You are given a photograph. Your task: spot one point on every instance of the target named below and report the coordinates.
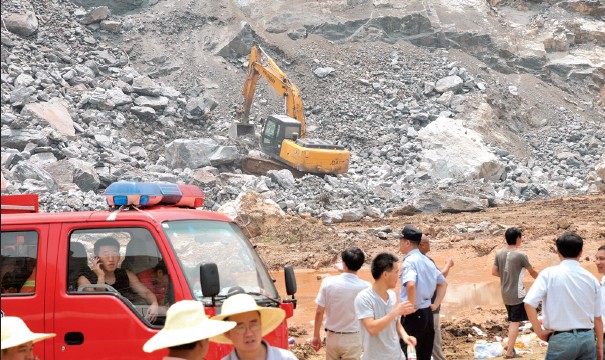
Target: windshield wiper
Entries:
(239, 290)
(275, 301)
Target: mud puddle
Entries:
(459, 297)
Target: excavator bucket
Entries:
(239, 129)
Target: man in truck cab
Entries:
(186, 332)
(106, 272)
(253, 322)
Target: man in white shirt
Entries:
(571, 305)
(335, 298)
(600, 262)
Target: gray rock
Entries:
(111, 26)
(298, 34)
(282, 177)
(143, 85)
(449, 83)
(240, 45)
(193, 154)
(27, 171)
(44, 158)
(19, 138)
(322, 72)
(198, 107)
(205, 177)
(154, 102)
(224, 155)
(54, 113)
(338, 216)
(95, 15)
(21, 24)
(22, 96)
(138, 152)
(103, 140)
(461, 204)
(143, 112)
(23, 80)
(86, 177)
(445, 99)
(117, 97)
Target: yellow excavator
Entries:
(283, 136)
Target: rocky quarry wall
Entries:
(440, 112)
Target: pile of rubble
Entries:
(427, 131)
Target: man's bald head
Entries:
(424, 245)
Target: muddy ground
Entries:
(471, 239)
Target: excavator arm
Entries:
(261, 64)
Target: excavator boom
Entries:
(261, 64)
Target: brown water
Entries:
(459, 296)
(470, 285)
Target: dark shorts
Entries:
(516, 313)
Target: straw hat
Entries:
(270, 318)
(186, 322)
(15, 333)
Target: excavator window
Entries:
(269, 133)
(290, 131)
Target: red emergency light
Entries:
(149, 194)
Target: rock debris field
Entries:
(438, 117)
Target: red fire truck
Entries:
(176, 251)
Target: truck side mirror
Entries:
(290, 284)
(209, 280)
(290, 280)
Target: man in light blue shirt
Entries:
(420, 278)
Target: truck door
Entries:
(110, 320)
(23, 276)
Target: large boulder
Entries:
(451, 150)
(55, 113)
(193, 154)
(600, 169)
(68, 172)
(21, 24)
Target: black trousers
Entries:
(420, 324)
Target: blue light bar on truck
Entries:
(150, 194)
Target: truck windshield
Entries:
(196, 242)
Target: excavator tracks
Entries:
(258, 166)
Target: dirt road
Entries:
(471, 239)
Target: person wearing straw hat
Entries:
(186, 332)
(253, 322)
(18, 340)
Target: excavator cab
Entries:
(276, 129)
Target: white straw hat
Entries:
(270, 318)
(15, 332)
(186, 322)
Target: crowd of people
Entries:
(366, 320)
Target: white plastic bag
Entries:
(487, 350)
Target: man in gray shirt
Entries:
(379, 310)
(510, 265)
